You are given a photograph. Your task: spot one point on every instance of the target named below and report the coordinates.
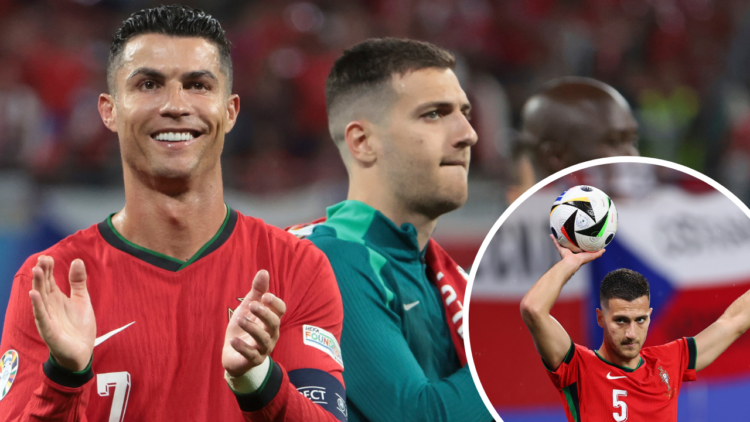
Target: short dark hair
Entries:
(175, 20)
(623, 284)
(370, 64)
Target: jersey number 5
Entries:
(120, 382)
(623, 416)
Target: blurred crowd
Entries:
(681, 64)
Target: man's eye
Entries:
(148, 85)
(199, 86)
(432, 115)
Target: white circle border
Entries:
(539, 185)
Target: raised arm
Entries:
(715, 339)
(63, 347)
(550, 338)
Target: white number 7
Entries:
(617, 403)
(120, 381)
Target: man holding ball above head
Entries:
(143, 316)
(622, 380)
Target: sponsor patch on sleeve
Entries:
(8, 371)
(323, 341)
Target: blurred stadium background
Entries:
(682, 64)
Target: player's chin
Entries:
(630, 350)
(174, 170)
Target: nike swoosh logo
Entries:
(102, 339)
(408, 306)
(610, 377)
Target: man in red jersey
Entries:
(157, 294)
(622, 380)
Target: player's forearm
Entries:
(539, 300)
(738, 315)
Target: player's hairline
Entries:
(604, 303)
(115, 62)
(383, 89)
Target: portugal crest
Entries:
(665, 379)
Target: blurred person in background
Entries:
(154, 299)
(400, 119)
(571, 120)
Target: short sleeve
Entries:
(679, 355)
(690, 353)
(567, 373)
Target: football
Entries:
(583, 219)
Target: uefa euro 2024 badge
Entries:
(9, 369)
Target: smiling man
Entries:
(401, 121)
(622, 380)
(132, 319)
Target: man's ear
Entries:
(600, 317)
(107, 111)
(233, 108)
(359, 142)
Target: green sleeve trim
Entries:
(268, 376)
(54, 363)
(262, 385)
(692, 352)
(568, 357)
(571, 352)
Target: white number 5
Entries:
(120, 381)
(617, 403)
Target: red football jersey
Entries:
(161, 325)
(593, 389)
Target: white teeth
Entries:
(174, 136)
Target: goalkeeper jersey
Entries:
(594, 390)
(160, 327)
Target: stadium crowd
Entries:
(681, 64)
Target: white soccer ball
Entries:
(583, 218)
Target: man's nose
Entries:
(176, 104)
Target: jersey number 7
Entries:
(120, 382)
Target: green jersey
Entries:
(400, 362)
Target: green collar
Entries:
(116, 240)
(357, 221)
(624, 368)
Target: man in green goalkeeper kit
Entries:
(401, 121)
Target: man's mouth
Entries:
(175, 136)
(457, 162)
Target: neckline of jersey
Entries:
(624, 368)
(355, 218)
(166, 262)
